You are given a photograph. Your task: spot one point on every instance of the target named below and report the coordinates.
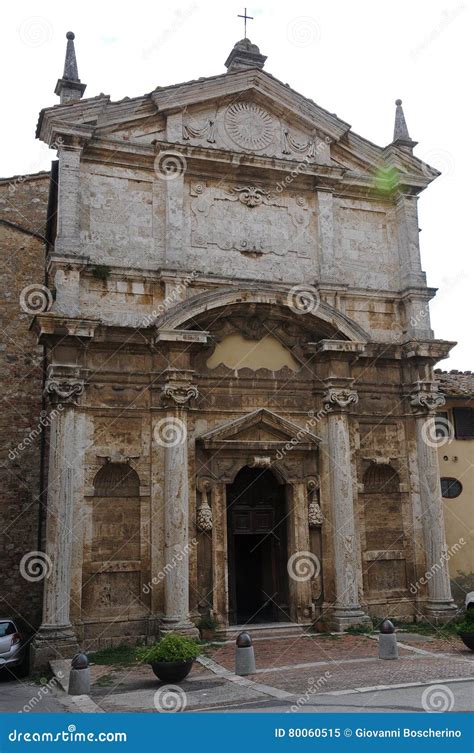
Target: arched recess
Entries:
(185, 313)
(111, 583)
(385, 565)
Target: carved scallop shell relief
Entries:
(249, 126)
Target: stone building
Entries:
(455, 422)
(239, 365)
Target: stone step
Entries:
(266, 630)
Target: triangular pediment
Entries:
(261, 429)
(249, 111)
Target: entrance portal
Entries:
(257, 547)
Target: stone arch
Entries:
(381, 478)
(116, 480)
(183, 314)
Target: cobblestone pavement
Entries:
(302, 672)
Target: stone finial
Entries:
(401, 137)
(69, 87)
(244, 55)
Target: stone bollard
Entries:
(388, 648)
(79, 676)
(244, 655)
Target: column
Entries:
(220, 585)
(56, 637)
(302, 566)
(425, 400)
(68, 236)
(171, 431)
(347, 611)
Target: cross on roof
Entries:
(246, 18)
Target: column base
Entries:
(440, 612)
(52, 642)
(183, 627)
(342, 619)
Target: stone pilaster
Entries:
(327, 258)
(56, 637)
(337, 401)
(68, 237)
(171, 431)
(425, 400)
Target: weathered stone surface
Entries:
(234, 210)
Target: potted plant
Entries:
(207, 628)
(171, 658)
(465, 629)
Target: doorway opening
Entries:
(257, 548)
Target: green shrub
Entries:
(207, 623)
(467, 625)
(171, 648)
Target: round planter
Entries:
(172, 671)
(467, 639)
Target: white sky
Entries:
(353, 58)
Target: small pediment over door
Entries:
(261, 430)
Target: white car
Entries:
(469, 600)
(12, 645)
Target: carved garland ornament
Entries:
(315, 515)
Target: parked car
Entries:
(13, 646)
(469, 600)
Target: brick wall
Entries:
(23, 209)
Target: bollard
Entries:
(388, 648)
(79, 676)
(244, 655)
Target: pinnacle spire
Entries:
(69, 87)
(401, 137)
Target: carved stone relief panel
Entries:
(251, 219)
(250, 126)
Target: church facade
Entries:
(239, 366)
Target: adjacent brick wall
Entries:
(23, 208)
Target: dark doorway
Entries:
(257, 540)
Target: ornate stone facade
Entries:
(232, 214)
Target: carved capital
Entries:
(425, 398)
(64, 386)
(337, 398)
(178, 388)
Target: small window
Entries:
(450, 488)
(7, 628)
(464, 423)
(442, 424)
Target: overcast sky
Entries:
(353, 58)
